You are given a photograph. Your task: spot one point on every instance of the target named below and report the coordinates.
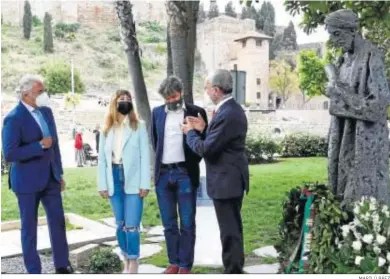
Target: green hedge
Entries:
(260, 149)
(304, 145)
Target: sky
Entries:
(282, 19)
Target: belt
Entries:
(174, 165)
(117, 165)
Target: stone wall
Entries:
(83, 11)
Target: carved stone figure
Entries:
(358, 154)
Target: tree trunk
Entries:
(192, 8)
(129, 38)
(182, 33)
(169, 52)
(128, 35)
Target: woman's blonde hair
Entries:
(112, 115)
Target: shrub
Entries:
(161, 48)
(64, 30)
(36, 21)
(304, 145)
(260, 149)
(58, 78)
(153, 26)
(104, 261)
(153, 38)
(149, 65)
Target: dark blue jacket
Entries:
(31, 165)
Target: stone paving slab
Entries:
(156, 239)
(150, 269)
(146, 251)
(208, 249)
(267, 251)
(92, 232)
(158, 230)
(262, 269)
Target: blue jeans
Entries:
(128, 213)
(182, 197)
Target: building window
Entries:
(243, 43)
(326, 105)
(258, 95)
(258, 81)
(258, 42)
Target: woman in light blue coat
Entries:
(124, 173)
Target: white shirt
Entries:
(173, 151)
(221, 103)
(118, 137)
(31, 109)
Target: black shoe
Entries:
(65, 270)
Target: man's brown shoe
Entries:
(172, 269)
(184, 271)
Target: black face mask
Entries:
(124, 107)
(176, 105)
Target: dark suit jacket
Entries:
(157, 134)
(31, 166)
(223, 150)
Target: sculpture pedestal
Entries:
(208, 249)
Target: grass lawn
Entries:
(261, 208)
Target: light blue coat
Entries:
(135, 159)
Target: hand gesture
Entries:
(143, 193)
(198, 122)
(104, 194)
(46, 142)
(63, 185)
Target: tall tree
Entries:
(275, 46)
(182, 16)
(283, 80)
(27, 20)
(229, 10)
(245, 12)
(213, 10)
(169, 53)
(201, 13)
(269, 26)
(374, 18)
(131, 46)
(290, 38)
(48, 45)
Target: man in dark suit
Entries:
(176, 174)
(30, 144)
(227, 172)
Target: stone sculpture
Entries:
(358, 154)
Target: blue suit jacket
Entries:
(223, 150)
(157, 134)
(31, 165)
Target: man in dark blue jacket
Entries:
(30, 144)
(176, 174)
(227, 172)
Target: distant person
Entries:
(124, 173)
(176, 174)
(223, 150)
(97, 136)
(79, 148)
(30, 144)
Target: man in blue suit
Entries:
(176, 174)
(30, 144)
(227, 173)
